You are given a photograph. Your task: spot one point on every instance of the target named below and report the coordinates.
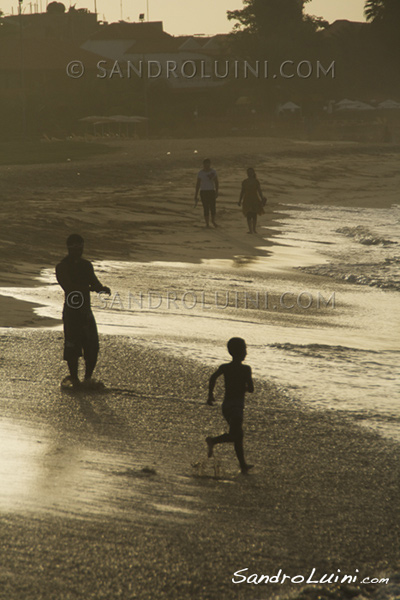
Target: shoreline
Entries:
(110, 495)
(140, 209)
(19, 313)
(323, 494)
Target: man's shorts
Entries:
(80, 334)
(209, 201)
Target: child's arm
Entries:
(249, 382)
(211, 385)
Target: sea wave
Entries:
(384, 275)
(364, 236)
(321, 350)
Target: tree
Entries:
(276, 30)
(274, 18)
(382, 11)
(384, 16)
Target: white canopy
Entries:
(114, 119)
(353, 105)
(289, 106)
(344, 102)
(389, 105)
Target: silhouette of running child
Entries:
(238, 381)
(77, 278)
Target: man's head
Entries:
(75, 245)
(237, 348)
(206, 164)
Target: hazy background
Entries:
(192, 16)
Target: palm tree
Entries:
(382, 11)
(274, 17)
(374, 10)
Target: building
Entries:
(73, 25)
(144, 50)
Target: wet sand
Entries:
(137, 202)
(15, 313)
(103, 500)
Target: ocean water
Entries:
(320, 313)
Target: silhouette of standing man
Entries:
(207, 183)
(76, 277)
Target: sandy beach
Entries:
(136, 203)
(110, 495)
(109, 503)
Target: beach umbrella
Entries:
(363, 106)
(344, 102)
(124, 119)
(353, 105)
(291, 106)
(389, 105)
(119, 119)
(94, 119)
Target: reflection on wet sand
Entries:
(42, 471)
(49, 472)
(243, 261)
(188, 309)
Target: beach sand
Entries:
(137, 202)
(110, 495)
(103, 500)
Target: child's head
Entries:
(237, 348)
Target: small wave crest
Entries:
(322, 350)
(384, 275)
(364, 236)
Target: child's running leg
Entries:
(236, 435)
(219, 439)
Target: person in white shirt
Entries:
(207, 183)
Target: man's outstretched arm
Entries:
(95, 285)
